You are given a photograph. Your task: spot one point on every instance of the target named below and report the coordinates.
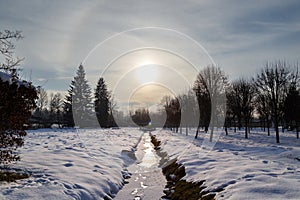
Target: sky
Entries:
(114, 38)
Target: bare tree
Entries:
(42, 101)
(7, 48)
(56, 107)
(112, 111)
(264, 110)
(233, 106)
(189, 111)
(272, 82)
(245, 92)
(40, 116)
(211, 84)
(292, 103)
(230, 113)
(173, 111)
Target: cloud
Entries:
(240, 36)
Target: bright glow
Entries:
(147, 73)
(146, 62)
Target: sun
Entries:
(146, 73)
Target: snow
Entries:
(91, 163)
(6, 77)
(254, 168)
(70, 164)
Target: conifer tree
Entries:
(17, 100)
(67, 107)
(79, 101)
(102, 103)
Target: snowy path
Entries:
(147, 181)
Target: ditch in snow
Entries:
(147, 181)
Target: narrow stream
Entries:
(147, 181)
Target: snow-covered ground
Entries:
(70, 164)
(254, 168)
(89, 164)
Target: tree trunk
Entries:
(268, 126)
(276, 129)
(197, 131)
(206, 129)
(186, 130)
(246, 129)
(297, 131)
(211, 134)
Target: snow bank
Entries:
(6, 77)
(238, 168)
(70, 164)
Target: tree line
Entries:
(270, 98)
(78, 108)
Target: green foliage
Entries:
(67, 108)
(17, 100)
(78, 105)
(102, 103)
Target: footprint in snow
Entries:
(68, 165)
(135, 191)
(143, 186)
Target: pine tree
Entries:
(78, 105)
(67, 108)
(102, 103)
(17, 100)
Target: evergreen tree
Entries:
(78, 106)
(17, 100)
(141, 117)
(67, 107)
(102, 103)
